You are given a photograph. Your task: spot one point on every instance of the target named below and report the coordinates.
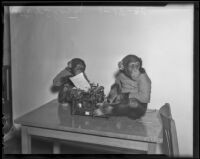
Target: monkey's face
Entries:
(133, 70)
(77, 69)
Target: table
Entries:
(53, 120)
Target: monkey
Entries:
(130, 94)
(62, 79)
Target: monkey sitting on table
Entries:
(130, 93)
(74, 67)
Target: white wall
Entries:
(6, 37)
(44, 39)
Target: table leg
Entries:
(56, 148)
(26, 141)
(151, 148)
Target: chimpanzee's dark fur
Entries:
(67, 85)
(120, 101)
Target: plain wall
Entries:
(43, 39)
(6, 37)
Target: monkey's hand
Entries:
(98, 112)
(133, 103)
(108, 109)
(105, 111)
(104, 103)
(103, 108)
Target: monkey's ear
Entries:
(121, 65)
(69, 64)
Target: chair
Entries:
(170, 141)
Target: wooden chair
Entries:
(170, 141)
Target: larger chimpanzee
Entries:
(74, 67)
(130, 93)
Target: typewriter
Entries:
(85, 102)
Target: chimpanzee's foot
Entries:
(133, 103)
(98, 112)
(103, 110)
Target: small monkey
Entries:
(130, 94)
(74, 67)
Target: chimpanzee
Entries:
(130, 93)
(74, 67)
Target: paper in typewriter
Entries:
(80, 82)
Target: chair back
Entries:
(170, 141)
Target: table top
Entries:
(57, 117)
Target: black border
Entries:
(127, 3)
(196, 82)
(86, 3)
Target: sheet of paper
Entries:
(80, 82)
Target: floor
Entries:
(45, 146)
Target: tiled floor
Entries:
(45, 146)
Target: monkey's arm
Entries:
(57, 81)
(144, 90)
(64, 94)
